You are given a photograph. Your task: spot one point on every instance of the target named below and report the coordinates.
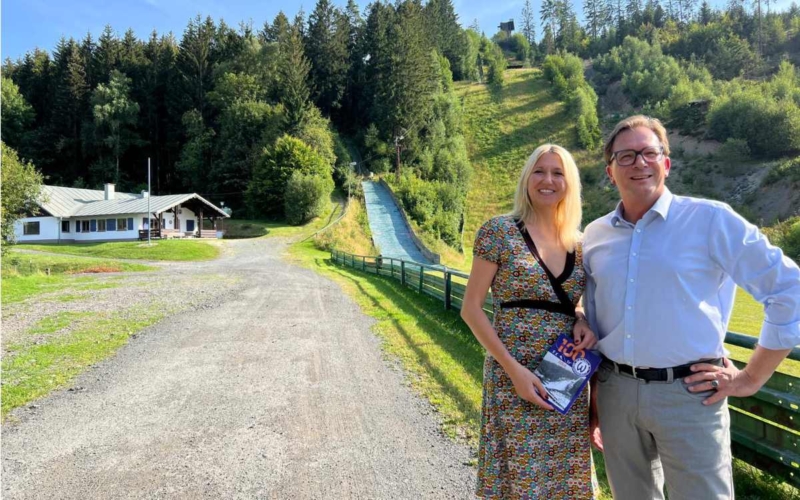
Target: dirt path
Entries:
(278, 392)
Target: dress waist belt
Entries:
(545, 305)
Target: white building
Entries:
(70, 215)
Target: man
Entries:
(661, 273)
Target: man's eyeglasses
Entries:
(627, 157)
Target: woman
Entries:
(531, 258)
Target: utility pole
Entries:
(397, 140)
(149, 220)
(350, 180)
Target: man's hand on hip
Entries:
(727, 380)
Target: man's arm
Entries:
(742, 251)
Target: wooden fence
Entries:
(763, 430)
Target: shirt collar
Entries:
(661, 207)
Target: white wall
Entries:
(184, 215)
(48, 229)
(128, 234)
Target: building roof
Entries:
(72, 202)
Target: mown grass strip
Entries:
(24, 274)
(33, 371)
(166, 250)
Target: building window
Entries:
(30, 228)
(111, 224)
(122, 225)
(84, 226)
(101, 225)
(64, 226)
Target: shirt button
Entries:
(629, 308)
(638, 230)
(631, 280)
(634, 254)
(628, 336)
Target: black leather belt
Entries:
(659, 374)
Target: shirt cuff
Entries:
(779, 336)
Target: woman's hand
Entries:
(583, 335)
(529, 387)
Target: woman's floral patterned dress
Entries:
(527, 452)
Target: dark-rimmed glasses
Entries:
(627, 157)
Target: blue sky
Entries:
(27, 24)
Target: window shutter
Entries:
(93, 225)
(111, 224)
(130, 223)
(77, 226)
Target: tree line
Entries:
(222, 111)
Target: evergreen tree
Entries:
(595, 17)
(528, 23)
(71, 95)
(356, 106)
(115, 114)
(549, 15)
(327, 52)
(412, 79)
(445, 33)
(106, 56)
(293, 85)
(706, 14)
(195, 62)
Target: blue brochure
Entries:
(564, 372)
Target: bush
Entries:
(21, 189)
(435, 206)
(565, 72)
(734, 150)
(266, 191)
(788, 171)
(770, 127)
(786, 235)
(305, 197)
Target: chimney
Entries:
(109, 191)
(145, 194)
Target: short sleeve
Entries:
(489, 241)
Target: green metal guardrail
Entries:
(764, 431)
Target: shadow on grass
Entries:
(445, 328)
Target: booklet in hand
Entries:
(564, 372)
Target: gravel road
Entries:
(275, 388)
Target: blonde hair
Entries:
(633, 122)
(568, 210)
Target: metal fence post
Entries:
(391, 266)
(403, 272)
(421, 277)
(447, 289)
(363, 263)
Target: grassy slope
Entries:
(502, 129)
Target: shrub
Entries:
(786, 235)
(305, 197)
(734, 150)
(788, 171)
(770, 127)
(265, 193)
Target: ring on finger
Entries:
(715, 384)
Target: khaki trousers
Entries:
(657, 432)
